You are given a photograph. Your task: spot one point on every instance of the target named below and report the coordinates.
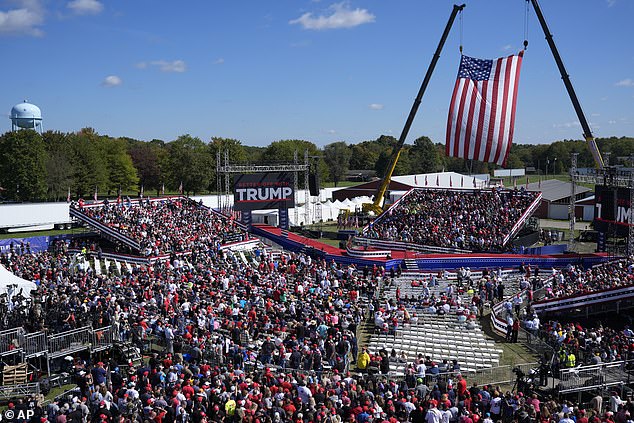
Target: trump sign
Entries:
(259, 191)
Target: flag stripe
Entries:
(492, 114)
(516, 80)
(482, 110)
(479, 154)
(468, 148)
(503, 95)
(451, 122)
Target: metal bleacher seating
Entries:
(441, 337)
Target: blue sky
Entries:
(261, 71)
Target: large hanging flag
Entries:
(482, 109)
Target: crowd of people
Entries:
(575, 280)
(270, 339)
(474, 221)
(167, 225)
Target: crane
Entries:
(377, 204)
(587, 133)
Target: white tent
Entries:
(9, 281)
(329, 211)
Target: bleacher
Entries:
(440, 336)
(437, 232)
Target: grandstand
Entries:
(235, 313)
(455, 221)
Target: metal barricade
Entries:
(8, 336)
(70, 341)
(10, 392)
(103, 338)
(492, 376)
(598, 376)
(35, 344)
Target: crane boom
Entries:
(587, 133)
(377, 204)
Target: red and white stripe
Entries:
(482, 113)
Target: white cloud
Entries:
(627, 82)
(566, 124)
(164, 65)
(339, 16)
(610, 2)
(219, 61)
(111, 81)
(611, 122)
(85, 7)
(375, 106)
(173, 66)
(507, 47)
(331, 131)
(26, 19)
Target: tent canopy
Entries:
(9, 280)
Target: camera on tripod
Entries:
(518, 372)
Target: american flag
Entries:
(284, 233)
(482, 109)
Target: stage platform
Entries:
(298, 243)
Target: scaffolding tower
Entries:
(225, 169)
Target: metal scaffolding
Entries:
(607, 176)
(226, 169)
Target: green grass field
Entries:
(44, 233)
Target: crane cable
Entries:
(526, 24)
(461, 32)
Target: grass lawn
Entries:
(44, 233)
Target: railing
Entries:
(103, 338)
(500, 375)
(78, 214)
(585, 299)
(35, 344)
(598, 376)
(520, 222)
(9, 392)
(8, 336)
(71, 341)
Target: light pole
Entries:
(547, 164)
(554, 163)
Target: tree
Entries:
(91, 170)
(424, 156)
(237, 153)
(122, 174)
(190, 163)
(387, 144)
(60, 168)
(23, 165)
(149, 159)
(284, 150)
(337, 157)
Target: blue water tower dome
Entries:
(26, 116)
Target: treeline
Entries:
(37, 167)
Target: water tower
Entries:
(26, 116)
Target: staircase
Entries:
(104, 230)
(410, 264)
